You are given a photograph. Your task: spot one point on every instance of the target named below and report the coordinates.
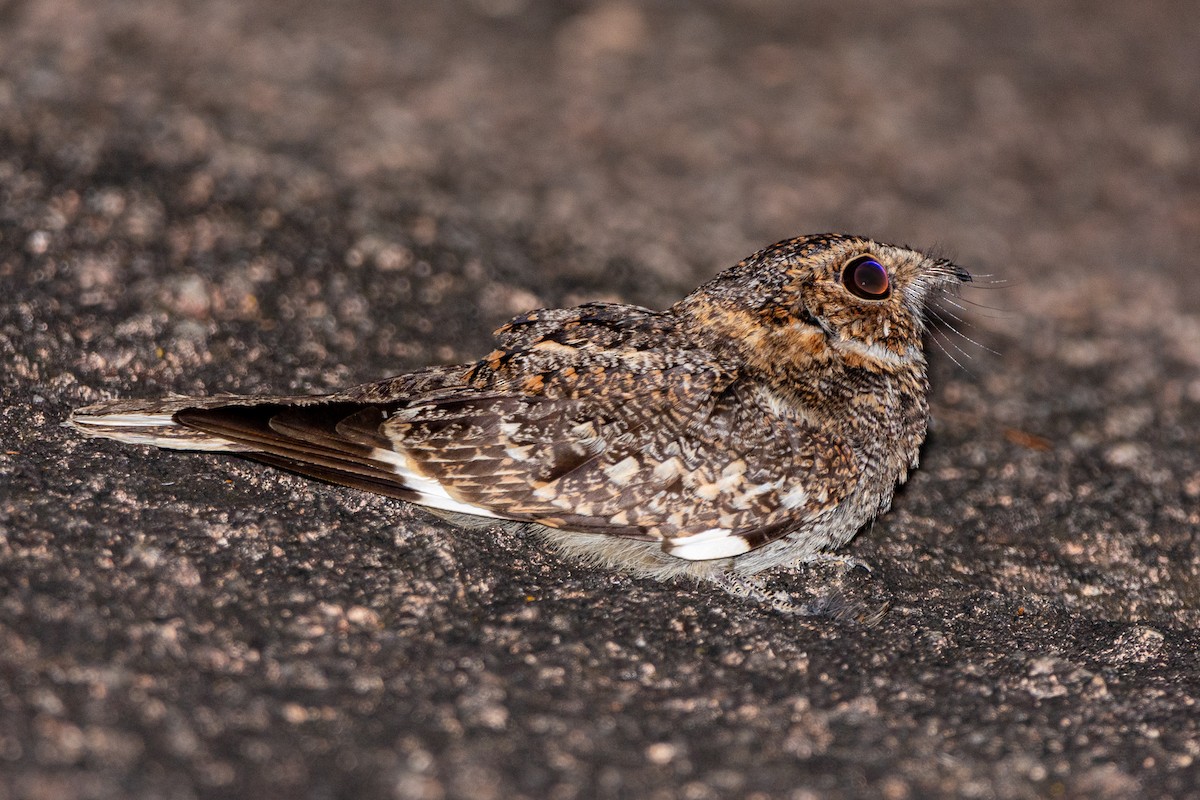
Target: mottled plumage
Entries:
(761, 420)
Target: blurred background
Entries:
(279, 195)
(634, 145)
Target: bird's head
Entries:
(825, 297)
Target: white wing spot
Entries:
(668, 469)
(706, 545)
(519, 453)
(620, 472)
(743, 500)
(794, 497)
(729, 482)
(734, 468)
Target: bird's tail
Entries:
(335, 438)
(154, 422)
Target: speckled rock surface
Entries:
(287, 196)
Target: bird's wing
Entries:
(681, 454)
(602, 420)
(596, 419)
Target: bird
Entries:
(761, 421)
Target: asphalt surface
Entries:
(289, 196)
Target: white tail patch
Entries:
(706, 545)
(126, 420)
(429, 491)
(156, 430)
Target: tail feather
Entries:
(326, 437)
(154, 422)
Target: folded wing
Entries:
(570, 423)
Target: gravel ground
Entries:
(287, 196)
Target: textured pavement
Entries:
(289, 196)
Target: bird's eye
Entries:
(866, 278)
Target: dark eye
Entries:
(866, 278)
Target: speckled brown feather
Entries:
(763, 418)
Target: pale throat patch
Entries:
(877, 352)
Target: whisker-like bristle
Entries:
(988, 279)
(954, 324)
(947, 326)
(953, 295)
(948, 354)
(949, 313)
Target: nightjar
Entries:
(759, 421)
